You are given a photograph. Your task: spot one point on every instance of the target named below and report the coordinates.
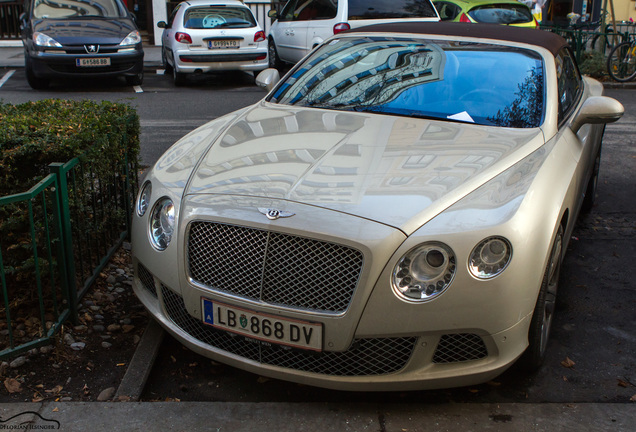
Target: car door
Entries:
(167, 37)
(289, 36)
(586, 142)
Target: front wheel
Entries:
(541, 322)
(135, 80)
(621, 63)
(35, 82)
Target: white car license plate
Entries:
(223, 43)
(282, 331)
(100, 61)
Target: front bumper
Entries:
(63, 65)
(383, 363)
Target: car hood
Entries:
(398, 171)
(83, 31)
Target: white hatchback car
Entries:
(212, 35)
(304, 24)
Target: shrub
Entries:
(593, 64)
(35, 134)
(104, 136)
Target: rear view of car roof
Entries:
(548, 40)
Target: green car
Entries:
(508, 12)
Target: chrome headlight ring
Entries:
(161, 223)
(143, 200)
(490, 257)
(424, 272)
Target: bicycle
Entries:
(621, 63)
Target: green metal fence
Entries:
(60, 235)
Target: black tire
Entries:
(539, 331)
(592, 184)
(179, 78)
(35, 82)
(135, 80)
(621, 63)
(164, 60)
(274, 61)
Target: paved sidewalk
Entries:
(283, 417)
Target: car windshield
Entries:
(456, 81)
(77, 9)
(501, 14)
(380, 9)
(208, 17)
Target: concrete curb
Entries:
(132, 385)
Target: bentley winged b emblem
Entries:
(273, 214)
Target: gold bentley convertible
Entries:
(391, 216)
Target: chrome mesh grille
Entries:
(147, 280)
(453, 348)
(273, 267)
(365, 357)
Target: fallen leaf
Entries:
(622, 383)
(568, 363)
(55, 390)
(633, 398)
(12, 385)
(56, 409)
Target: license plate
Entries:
(101, 61)
(269, 328)
(223, 43)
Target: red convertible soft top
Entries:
(550, 41)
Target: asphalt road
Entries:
(597, 299)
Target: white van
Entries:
(303, 24)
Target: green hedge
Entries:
(105, 137)
(35, 134)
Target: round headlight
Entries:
(144, 199)
(424, 272)
(162, 223)
(490, 257)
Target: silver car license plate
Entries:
(88, 62)
(264, 327)
(224, 43)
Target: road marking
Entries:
(6, 77)
(138, 89)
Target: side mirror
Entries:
(273, 14)
(268, 79)
(162, 24)
(598, 109)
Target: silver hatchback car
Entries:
(211, 35)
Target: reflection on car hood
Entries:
(83, 31)
(395, 170)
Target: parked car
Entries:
(303, 24)
(212, 35)
(508, 12)
(80, 39)
(392, 216)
